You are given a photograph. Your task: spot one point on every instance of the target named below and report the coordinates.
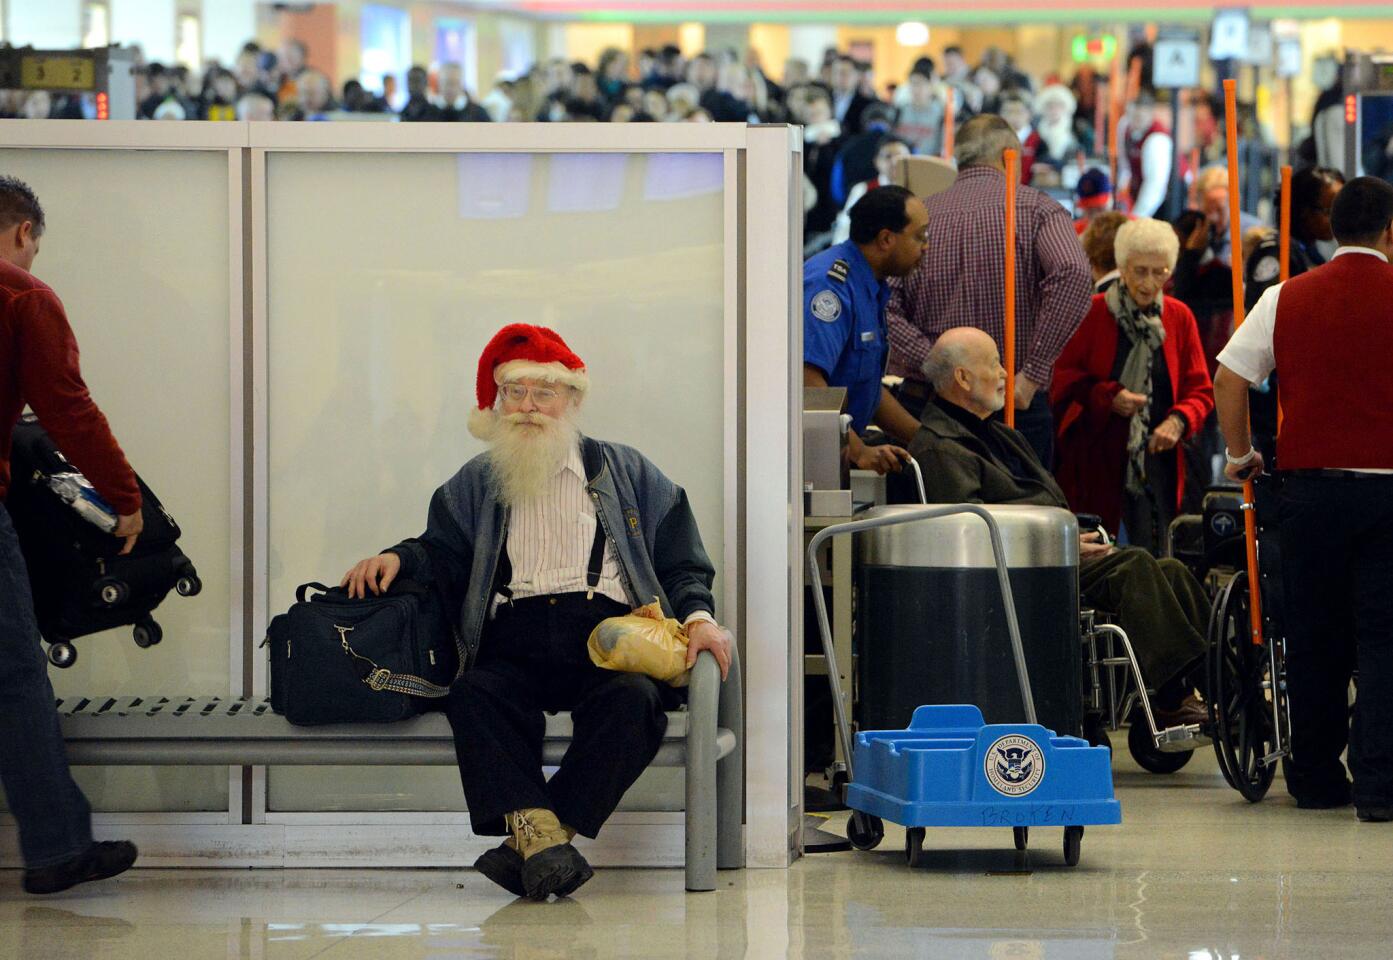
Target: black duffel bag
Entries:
(382, 658)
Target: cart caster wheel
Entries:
(1096, 733)
(865, 831)
(113, 593)
(189, 585)
(914, 845)
(147, 634)
(1073, 843)
(1022, 837)
(62, 655)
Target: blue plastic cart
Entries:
(949, 768)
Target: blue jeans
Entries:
(55, 820)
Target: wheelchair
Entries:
(1246, 687)
(1114, 691)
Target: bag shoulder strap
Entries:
(380, 678)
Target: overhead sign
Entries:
(39, 71)
(1228, 36)
(1176, 62)
(1289, 57)
(1259, 45)
(1086, 48)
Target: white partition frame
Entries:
(762, 483)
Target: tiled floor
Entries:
(1193, 872)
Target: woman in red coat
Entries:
(1128, 389)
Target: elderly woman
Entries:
(1128, 389)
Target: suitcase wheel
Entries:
(113, 593)
(147, 634)
(189, 585)
(62, 654)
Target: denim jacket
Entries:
(644, 514)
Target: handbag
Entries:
(382, 658)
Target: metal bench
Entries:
(705, 739)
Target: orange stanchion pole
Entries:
(1284, 227)
(1013, 179)
(1134, 80)
(950, 133)
(1250, 518)
(1114, 149)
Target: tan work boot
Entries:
(503, 864)
(550, 864)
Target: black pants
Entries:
(533, 659)
(1337, 571)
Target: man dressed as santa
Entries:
(532, 544)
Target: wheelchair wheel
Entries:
(1240, 699)
(1144, 751)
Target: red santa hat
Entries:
(521, 351)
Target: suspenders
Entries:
(590, 452)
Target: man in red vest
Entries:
(1147, 173)
(1328, 333)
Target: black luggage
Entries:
(372, 660)
(81, 584)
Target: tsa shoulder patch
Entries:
(826, 306)
(839, 271)
(1266, 269)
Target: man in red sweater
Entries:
(39, 367)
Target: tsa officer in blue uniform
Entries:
(844, 333)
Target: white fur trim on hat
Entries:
(483, 424)
(548, 372)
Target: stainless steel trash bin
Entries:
(930, 626)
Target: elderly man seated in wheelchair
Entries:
(967, 456)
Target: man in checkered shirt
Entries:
(960, 280)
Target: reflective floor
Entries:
(1194, 872)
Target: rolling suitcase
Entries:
(81, 583)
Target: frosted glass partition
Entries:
(137, 248)
(376, 314)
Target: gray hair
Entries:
(982, 140)
(945, 357)
(1146, 236)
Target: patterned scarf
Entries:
(1143, 330)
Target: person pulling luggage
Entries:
(39, 367)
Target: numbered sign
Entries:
(1176, 62)
(57, 73)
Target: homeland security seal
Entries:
(1014, 765)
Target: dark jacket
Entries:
(644, 514)
(959, 468)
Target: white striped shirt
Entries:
(549, 541)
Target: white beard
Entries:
(1058, 137)
(525, 451)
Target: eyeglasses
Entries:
(517, 393)
(1141, 273)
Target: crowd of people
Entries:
(856, 125)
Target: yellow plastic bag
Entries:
(643, 641)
